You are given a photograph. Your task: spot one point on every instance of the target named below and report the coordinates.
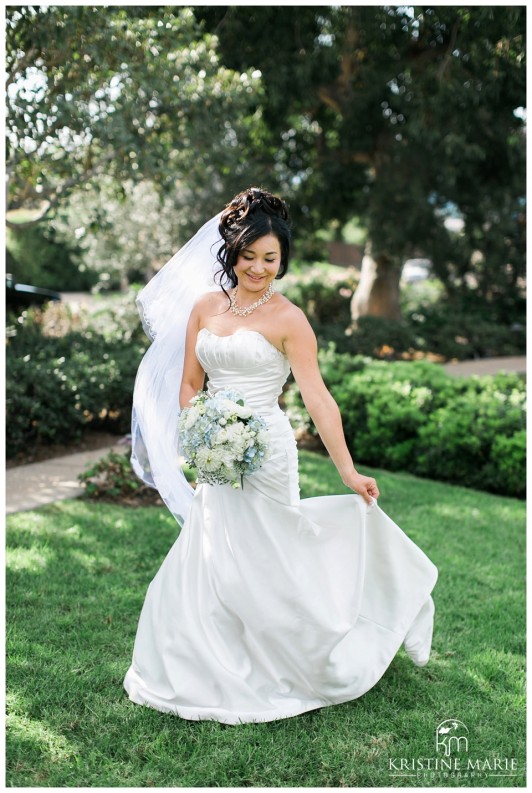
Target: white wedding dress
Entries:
(268, 605)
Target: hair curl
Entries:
(252, 214)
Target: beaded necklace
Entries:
(243, 312)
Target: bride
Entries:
(267, 605)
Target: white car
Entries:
(416, 270)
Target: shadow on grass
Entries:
(77, 577)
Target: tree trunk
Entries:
(377, 293)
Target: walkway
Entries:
(481, 366)
(32, 485)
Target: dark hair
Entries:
(251, 214)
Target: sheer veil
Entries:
(164, 305)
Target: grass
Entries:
(77, 575)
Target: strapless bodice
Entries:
(245, 361)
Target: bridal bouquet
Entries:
(222, 438)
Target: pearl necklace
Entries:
(243, 312)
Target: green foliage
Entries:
(323, 292)
(114, 317)
(461, 440)
(402, 117)
(37, 257)
(508, 456)
(432, 324)
(57, 386)
(136, 93)
(382, 338)
(110, 477)
(465, 327)
(446, 329)
(126, 239)
(412, 416)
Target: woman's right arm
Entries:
(193, 375)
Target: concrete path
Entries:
(32, 485)
(484, 366)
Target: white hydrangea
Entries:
(227, 407)
(222, 436)
(192, 416)
(242, 411)
(262, 437)
(228, 458)
(237, 437)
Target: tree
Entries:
(401, 116)
(127, 238)
(134, 93)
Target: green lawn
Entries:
(77, 576)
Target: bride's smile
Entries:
(257, 265)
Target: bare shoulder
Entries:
(293, 320)
(291, 316)
(209, 304)
(207, 300)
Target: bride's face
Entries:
(258, 264)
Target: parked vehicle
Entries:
(20, 296)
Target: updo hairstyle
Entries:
(252, 214)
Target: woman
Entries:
(267, 605)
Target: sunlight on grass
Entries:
(42, 739)
(497, 668)
(77, 576)
(26, 559)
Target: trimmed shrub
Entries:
(414, 416)
(111, 477)
(58, 386)
(464, 328)
(441, 329)
(508, 461)
(37, 257)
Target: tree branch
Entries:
(63, 188)
(55, 196)
(221, 24)
(447, 56)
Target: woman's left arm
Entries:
(302, 351)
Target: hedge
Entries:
(397, 415)
(57, 387)
(413, 416)
(35, 256)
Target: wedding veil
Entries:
(164, 305)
